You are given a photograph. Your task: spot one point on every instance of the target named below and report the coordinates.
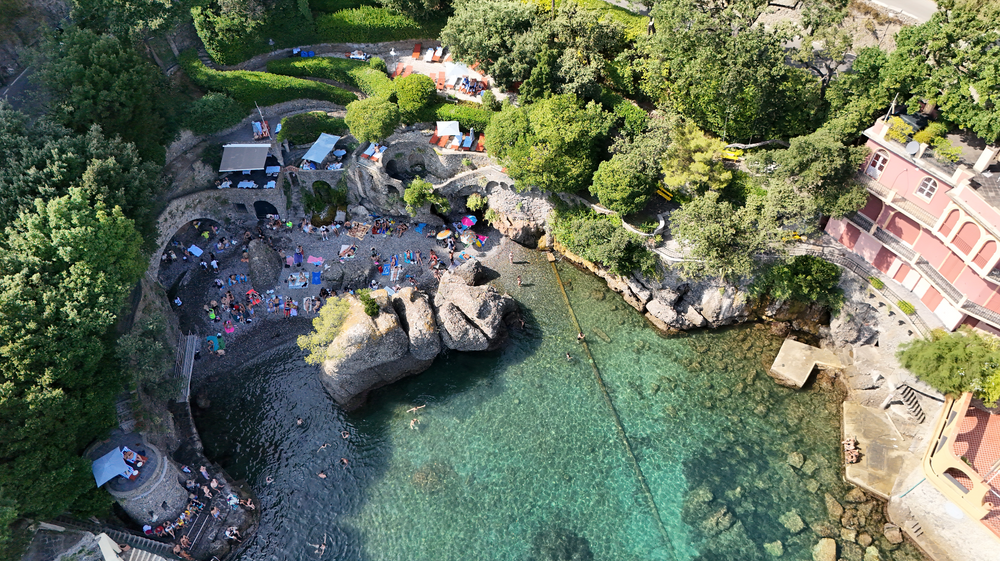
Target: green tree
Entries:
(419, 192)
(132, 19)
(42, 159)
(65, 270)
(98, 79)
(326, 326)
(805, 279)
(229, 28)
(419, 9)
(621, 188)
(213, 112)
(413, 93)
(818, 165)
(551, 145)
(714, 65)
(693, 161)
(372, 119)
(953, 363)
(495, 33)
(601, 239)
(858, 96)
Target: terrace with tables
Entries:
(450, 77)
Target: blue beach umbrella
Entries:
(108, 466)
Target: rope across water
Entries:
(618, 422)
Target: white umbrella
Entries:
(457, 70)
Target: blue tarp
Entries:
(109, 466)
(321, 148)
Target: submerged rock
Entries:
(856, 495)
(795, 459)
(560, 544)
(471, 318)
(825, 550)
(833, 506)
(792, 522)
(893, 533)
(871, 554)
(775, 548)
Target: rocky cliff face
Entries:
(410, 332)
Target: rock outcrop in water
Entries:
(410, 332)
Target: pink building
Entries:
(933, 226)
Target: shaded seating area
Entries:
(254, 163)
(449, 135)
(318, 154)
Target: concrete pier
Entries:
(796, 361)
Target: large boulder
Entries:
(265, 266)
(520, 216)
(369, 353)
(825, 550)
(856, 324)
(471, 318)
(414, 311)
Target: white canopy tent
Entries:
(448, 128)
(241, 157)
(455, 70)
(321, 148)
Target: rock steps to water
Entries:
(410, 330)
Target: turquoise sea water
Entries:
(517, 454)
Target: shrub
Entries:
(239, 34)
(376, 63)
(420, 192)
(930, 132)
(805, 279)
(326, 327)
(371, 81)
(963, 361)
(601, 239)
(306, 127)
(628, 116)
(371, 306)
(413, 93)
(212, 155)
(367, 24)
(469, 115)
(876, 282)
(372, 119)
(899, 130)
(906, 307)
(490, 102)
(212, 113)
(329, 6)
(491, 216)
(475, 202)
(945, 151)
(265, 89)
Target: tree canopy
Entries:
(326, 326)
(550, 144)
(372, 119)
(99, 79)
(953, 363)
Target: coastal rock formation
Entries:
(265, 265)
(370, 353)
(410, 332)
(521, 216)
(471, 318)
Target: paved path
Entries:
(920, 10)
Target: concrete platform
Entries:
(796, 361)
(883, 449)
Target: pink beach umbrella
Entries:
(468, 220)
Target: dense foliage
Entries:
(235, 30)
(326, 326)
(368, 24)
(306, 127)
(413, 93)
(132, 19)
(261, 87)
(419, 193)
(601, 239)
(213, 112)
(805, 279)
(953, 363)
(373, 82)
(372, 119)
(551, 144)
(95, 78)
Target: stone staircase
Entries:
(206, 59)
(155, 550)
(123, 408)
(912, 404)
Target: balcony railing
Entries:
(984, 314)
(935, 278)
(913, 211)
(895, 244)
(861, 221)
(994, 276)
(873, 186)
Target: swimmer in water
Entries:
(322, 475)
(569, 357)
(345, 434)
(323, 447)
(414, 423)
(268, 480)
(415, 409)
(298, 422)
(343, 462)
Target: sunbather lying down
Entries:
(349, 252)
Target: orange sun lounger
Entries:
(407, 71)
(416, 50)
(440, 81)
(481, 145)
(434, 138)
(437, 55)
(444, 141)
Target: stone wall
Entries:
(161, 498)
(214, 204)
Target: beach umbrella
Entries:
(468, 237)
(468, 220)
(444, 234)
(108, 466)
(457, 70)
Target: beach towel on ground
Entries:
(195, 250)
(316, 277)
(420, 228)
(298, 258)
(385, 270)
(315, 260)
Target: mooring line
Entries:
(618, 422)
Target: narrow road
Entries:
(920, 10)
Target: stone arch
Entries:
(967, 237)
(950, 222)
(985, 254)
(263, 208)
